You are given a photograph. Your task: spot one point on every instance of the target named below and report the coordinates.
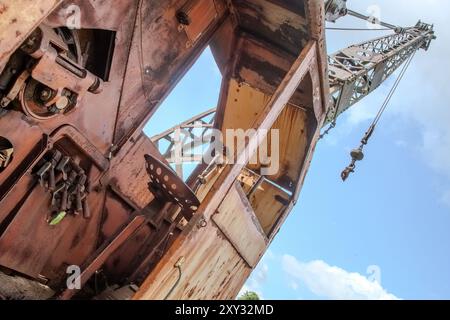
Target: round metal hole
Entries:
(166, 178)
(6, 153)
(174, 186)
(158, 171)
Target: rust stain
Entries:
(3, 8)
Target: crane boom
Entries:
(356, 71)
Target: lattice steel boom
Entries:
(189, 134)
(358, 70)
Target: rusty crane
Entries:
(81, 185)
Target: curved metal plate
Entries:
(165, 184)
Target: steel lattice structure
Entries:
(184, 138)
(358, 70)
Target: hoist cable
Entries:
(383, 107)
(356, 29)
(372, 20)
(357, 154)
(392, 91)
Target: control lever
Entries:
(49, 167)
(79, 191)
(64, 200)
(42, 171)
(59, 188)
(53, 162)
(62, 166)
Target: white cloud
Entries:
(332, 282)
(362, 113)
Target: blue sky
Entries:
(393, 215)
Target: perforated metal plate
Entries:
(166, 185)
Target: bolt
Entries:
(45, 95)
(202, 223)
(30, 42)
(62, 103)
(183, 18)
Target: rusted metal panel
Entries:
(158, 60)
(267, 200)
(259, 65)
(236, 219)
(103, 253)
(12, 126)
(116, 214)
(15, 25)
(199, 14)
(32, 247)
(41, 249)
(130, 166)
(292, 127)
(121, 263)
(274, 23)
(93, 14)
(222, 44)
(213, 269)
(28, 243)
(96, 114)
(245, 103)
(315, 10)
